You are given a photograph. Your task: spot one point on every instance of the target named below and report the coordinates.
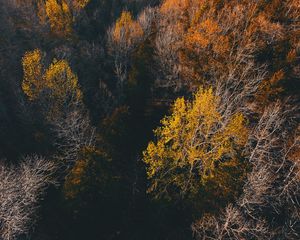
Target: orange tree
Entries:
(219, 37)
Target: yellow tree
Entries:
(58, 83)
(197, 146)
(126, 30)
(61, 80)
(60, 17)
(80, 4)
(124, 36)
(62, 85)
(33, 73)
(41, 12)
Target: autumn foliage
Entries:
(195, 145)
(217, 32)
(33, 73)
(125, 33)
(56, 84)
(59, 16)
(161, 119)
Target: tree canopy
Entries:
(196, 145)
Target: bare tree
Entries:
(238, 87)
(21, 189)
(232, 224)
(73, 132)
(273, 185)
(146, 19)
(167, 44)
(272, 189)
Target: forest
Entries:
(149, 119)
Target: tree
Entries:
(89, 174)
(54, 87)
(201, 42)
(268, 208)
(146, 19)
(174, 5)
(60, 17)
(32, 84)
(168, 42)
(73, 132)
(126, 30)
(197, 146)
(21, 189)
(61, 82)
(123, 37)
(56, 90)
(232, 224)
(79, 4)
